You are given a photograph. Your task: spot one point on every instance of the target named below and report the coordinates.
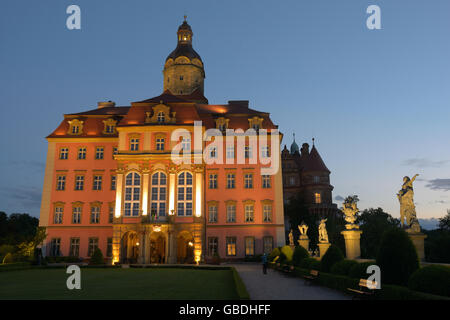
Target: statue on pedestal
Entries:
(350, 210)
(407, 208)
(323, 234)
(291, 239)
(303, 228)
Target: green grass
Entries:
(115, 283)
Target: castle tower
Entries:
(183, 70)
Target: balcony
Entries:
(149, 219)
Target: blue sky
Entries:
(376, 101)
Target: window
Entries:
(75, 129)
(115, 151)
(132, 194)
(81, 153)
(184, 194)
(317, 198)
(231, 212)
(97, 185)
(265, 152)
(248, 152)
(181, 77)
(79, 183)
(213, 152)
(134, 144)
(161, 118)
(316, 179)
(212, 213)
(60, 183)
(292, 181)
(76, 215)
(159, 144)
(186, 144)
(93, 244)
(99, 153)
(267, 213)
(266, 181)
(213, 245)
(109, 128)
(109, 247)
(268, 244)
(159, 194)
(248, 181)
(249, 212)
(111, 214)
(58, 215)
(64, 153)
(231, 181)
(74, 247)
(55, 246)
(113, 182)
(95, 214)
(231, 246)
(230, 151)
(213, 181)
(249, 246)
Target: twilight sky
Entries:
(376, 101)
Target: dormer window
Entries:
(161, 114)
(222, 124)
(161, 117)
(75, 127)
(110, 126)
(255, 123)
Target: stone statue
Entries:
(303, 228)
(323, 234)
(291, 239)
(350, 210)
(407, 208)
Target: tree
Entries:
(444, 222)
(373, 223)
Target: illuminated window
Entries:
(231, 246)
(213, 245)
(231, 212)
(99, 153)
(159, 194)
(74, 247)
(317, 198)
(249, 212)
(231, 181)
(160, 144)
(58, 215)
(212, 213)
(64, 153)
(132, 194)
(134, 144)
(93, 244)
(249, 246)
(184, 207)
(61, 183)
(267, 213)
(213, 181)
(115, 151)
(95, 214)
(97, 184)
(81, 153)
(76, 215)
(266, 181)
(79, 183)
(248, 181)
(268, 244)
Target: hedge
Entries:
(331, 257)
(343, 267)
(359, 270)
(310, 263)
(241, 290)
(300, 253)
(431, 279)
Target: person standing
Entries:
(264, 263)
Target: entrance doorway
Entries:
(185, 248)
(130, 247)
(157, 247)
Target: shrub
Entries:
(359, 270)
(332, 256)
(8, 258)
(431, 279)
(287, 251)
(310, 263)
(97, 257)
(343, 267)
(300, 253)
(275, 253)
(397, 257)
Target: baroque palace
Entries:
(111, 182)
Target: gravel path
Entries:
(277, 286)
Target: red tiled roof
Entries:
(314, 162)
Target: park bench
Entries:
(313, 275)
(364, 289)
(287, 269)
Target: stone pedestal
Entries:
(352, 243)
(418, 239)
(323, 247)
(304, 242)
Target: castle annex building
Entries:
(110, 181)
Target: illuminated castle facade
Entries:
(111, 181)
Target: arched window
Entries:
(132, 194)
(184, 194)
(159, 194)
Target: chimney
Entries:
(103, 104)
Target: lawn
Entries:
(152, 283)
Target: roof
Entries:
(184, 49)
(314, 162)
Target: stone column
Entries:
(352, 243)
(304, 242)
(172, 258)
(116, 244)
(418, 240)
(141, 247)
(323, 247)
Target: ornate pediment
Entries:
(161, 115)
